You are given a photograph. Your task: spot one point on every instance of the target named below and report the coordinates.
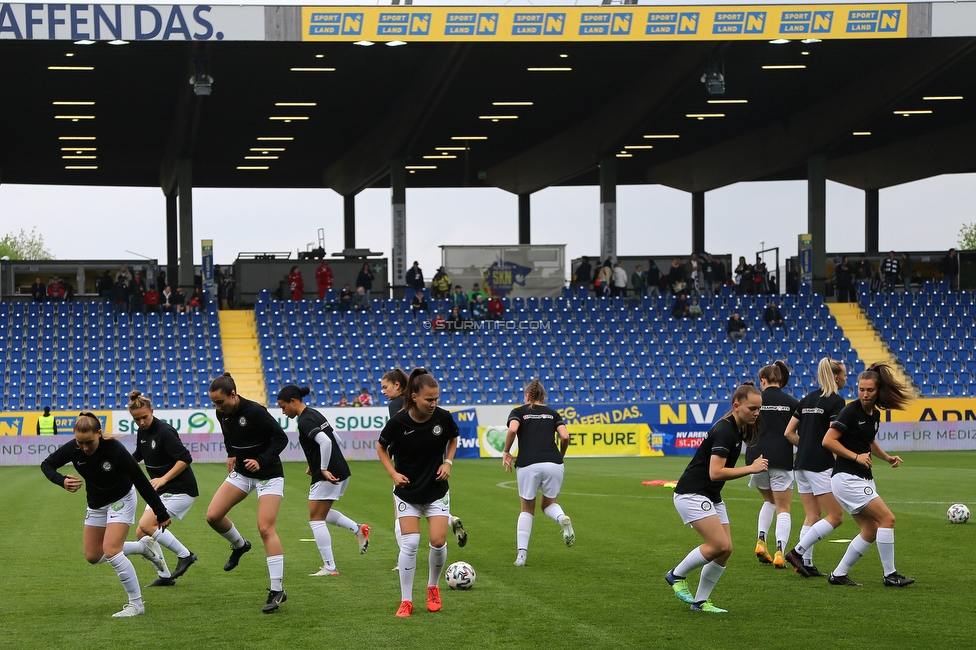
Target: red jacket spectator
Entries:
(151, 299)
(55, 289)
(495, 308)
(323, 278)
(295, 283)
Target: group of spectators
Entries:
(476, 305)
(893, 271)
(364, 398)
(694, 277)
(293, 286)
(56, 290)
(130, 293)
(737, 327)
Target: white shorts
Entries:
(264, 486)
(325, 491)
(548, 476)
(853, 492)
(815, 483)
(176, 504)
(439, 508)
(692, 507)
(122, 511)
(777, 480)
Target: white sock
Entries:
(523, 531)
(554, 512)
(857, 548)
(710, 574)
(168, 540)
(886, 549)
(691, 562)
(320, 531)
(783, 525)
(276, 569)
(808, 554)
(127, 576)
(409, 544)
(136, 548)
(234, 537)
(816, 533)
(336, 518)
(437, 559)
(450, 520)
(398, 534)
(765, 519)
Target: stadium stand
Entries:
(78, 356)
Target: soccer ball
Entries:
(957, 513)
(460, 575)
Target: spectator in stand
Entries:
(364, 398)
(345, 299)
(891, 270)
(161, 277)
(179, 300)
(460, 299)
(907, 271)
(708, 274)
(150, 301)
(637, 282)
(479, 308)
(863, 270)
(581, 278)
(950, 269)
(218, 280)
(279, 293)
(419, 304)
(653, 282)
(618, 280)
(721, 274)
(743, 276)
(198, 301)
(38, 291)
(773, 317)
(440, 286)
(230, 291)
(124, 274)
(843, 280)
(760, 277)
(680, 309)
(695, 275)
(354, 402)
(136, 289)
(104, 286)
(438, 322)
(166, 299)
(677, 278)
(295, 283)
(360, 299)
(456, 318)
(694, 309)
(365, 279)
(343, 401)
(604, 276)
(496, 308)
(475, 292)
(323, 278)
(120, 296)
(793, 282)
(69, 291)
(55, 290)
(736, 328)
(415, 277)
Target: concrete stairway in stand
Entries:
(242, 356)
(865, 339)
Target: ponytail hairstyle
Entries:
(224, 384)
(138, 401)
(750, 432)
(291, 391)
(827, 370)
(398, 378)
(892, 394)
(88, 422)
(534, 392)
(776, 374)
(418, 380)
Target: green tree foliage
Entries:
(967, 237)
(24, 246)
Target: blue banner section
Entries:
(467, 421)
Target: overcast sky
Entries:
(103, 223)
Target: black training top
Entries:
(310, 424)
(857, 432)
(251, 432)
(420, 450)
(395, 405)
(160, 447)
(536, 434)
(816, 413)
(777, 409)
(723, 440)
(109, 473)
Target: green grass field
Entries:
(607, 591)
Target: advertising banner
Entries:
(926, 436)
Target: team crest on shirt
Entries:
(242, 421)
(706, 505)
(437, 430)
(868, 491)
(107, 466)
(152, 445)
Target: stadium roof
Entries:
(874, 103)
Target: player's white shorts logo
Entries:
(706, 505)
(868, 491)
(401, 506)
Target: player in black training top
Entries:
(254, 440)
(776, 483)
(111, 478)
(539, 463)
(852, 439)
(168, 464)
(330, 476)
(424, 438)
(698, 496)
(813, 465)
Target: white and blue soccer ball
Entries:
(957, 513)
(460, 575)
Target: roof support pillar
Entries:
(172, 240)
(184, 176)
(817, 218)
(697, 222)
(525, 218)
(871, 216)
(349, 220)
(608, 207)
(398, 259)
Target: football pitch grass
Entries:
(607, 591)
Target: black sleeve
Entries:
(387, 435)
(844, 420)
(145, 488)
(278, 439)
(174, 447)
(514, 415)
(137, 453)
(59, 458)
(725, 441)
